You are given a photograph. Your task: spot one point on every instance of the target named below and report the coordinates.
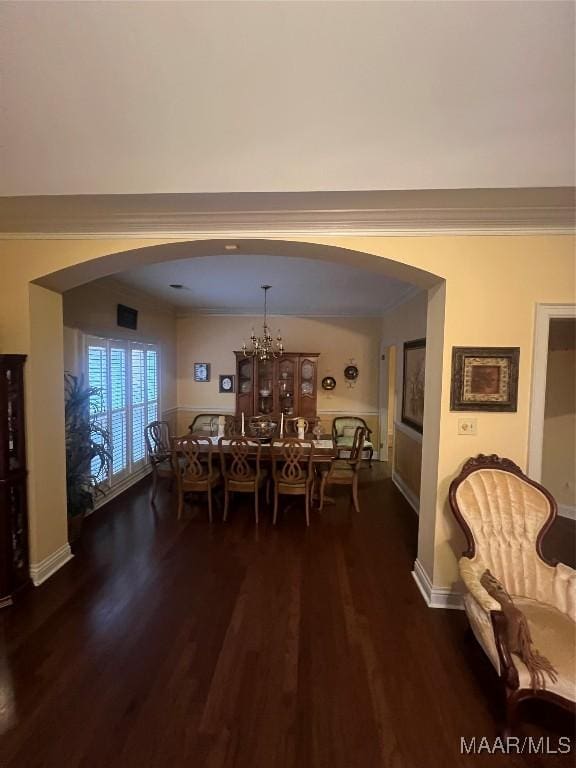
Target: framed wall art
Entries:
(201, 371)
(413, 384)
(484, 379)
(226, 383)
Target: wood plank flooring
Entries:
(173, 643)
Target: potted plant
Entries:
(88, 451)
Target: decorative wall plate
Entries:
(328, 382)
(307, 371)
(226, 383)
(351, 372)
(307, 388)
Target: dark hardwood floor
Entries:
(173, 643)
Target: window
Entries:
(126, 374)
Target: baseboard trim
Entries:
(435, 597)
(566, 510)
(42, 570)
(410, 497)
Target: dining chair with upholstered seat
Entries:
(158, 448)
(343, 431)
(195, 469)
(204, 424)
(241, 469)
(345, 471)
(292, 471)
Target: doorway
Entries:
(552, 449)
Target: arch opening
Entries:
(115, 262)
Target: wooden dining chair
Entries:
(343, 431)
(195, 470)
(157, 438)
(292, 471)
(232, 426)
(345, 471)
(241, 470)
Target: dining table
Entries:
(323, 449)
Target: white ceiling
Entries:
(230, 284)
(158, 97)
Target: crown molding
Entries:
(388, 213)
(184, 313)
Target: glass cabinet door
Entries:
(307, 385)
(286, 385)
(265, 387)
(245, 395)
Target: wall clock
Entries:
(201, 371)
(328, 382)
(351, 372)
(226, 383)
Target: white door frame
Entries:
(544, 313)
(383, 404)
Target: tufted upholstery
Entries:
(504, 516)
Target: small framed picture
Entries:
(201, 371)
(484, 378)
(226, 383)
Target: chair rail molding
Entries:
(544, 313)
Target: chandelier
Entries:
(264, 347)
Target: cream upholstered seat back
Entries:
(505, 516)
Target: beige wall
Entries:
(559, 445)
(91, 309)
(213, 339)
(45, 423)
(406, 323)
(492, 285)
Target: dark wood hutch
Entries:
(288, 385)
(14, 566)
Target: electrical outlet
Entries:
(467, 427)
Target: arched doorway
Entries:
(45, 308)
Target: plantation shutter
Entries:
(138, 405)
(126, 375)
(118, 410)
(152, 385)
(98, 377)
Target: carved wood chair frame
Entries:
(508, 672)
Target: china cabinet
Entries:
(287, 384)
(13, 505)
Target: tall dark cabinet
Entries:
(14, 573)
(285, 385)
